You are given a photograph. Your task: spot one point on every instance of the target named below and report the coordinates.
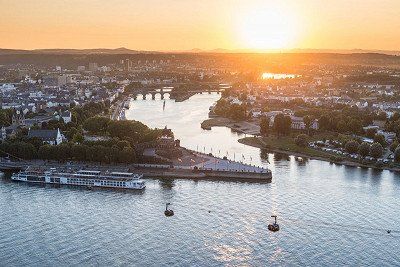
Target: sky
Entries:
(166, 25)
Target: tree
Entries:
(394, 145)
(122, 144)
(370, 133)
(5, 117)
(395, 127)
(96, 125)
(23, 150)
(378, 138)
(324, 123)
(363, 149)
(397, 154)
(237, 112)
(46, 151)
(264, 126)
(308, 121)
(301, 140)
(114, 153)
(351, 146)
(342, 126)
(355, 126)
(70, 133)
(123, 129)
(127, 155)
(78, 138)
(63, 152)
(395, 116)
(282, 124)
(376, 150)
(78, 152)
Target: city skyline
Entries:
(184, 25)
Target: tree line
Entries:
(117, 153)
(233, 111)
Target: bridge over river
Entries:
(178, 94)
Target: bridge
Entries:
(173, 94)
(170, 89)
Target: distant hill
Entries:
(56, 51)
(282, 61)
(126, 51)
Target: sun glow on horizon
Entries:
(268, 27)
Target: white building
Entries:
(52, 137)
(7, 87)
(66, 116)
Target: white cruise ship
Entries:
(86, 178)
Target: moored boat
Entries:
(88, 178)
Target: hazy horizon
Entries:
(216, 50)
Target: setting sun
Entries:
(269, 27)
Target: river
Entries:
(329, 214)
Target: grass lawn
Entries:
(286, 143)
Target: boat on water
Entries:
(88, 178)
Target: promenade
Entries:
(210, 168)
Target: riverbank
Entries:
(245, 127)
(207, 168)
(286, 148)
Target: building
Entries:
(62, 80)
(52, 137)
(66, 116)
(297, 122)
(7, 87)
(3, 134)
(37, 120)
(128, 65)
(167, 140)
(93, 67)
(50, 80)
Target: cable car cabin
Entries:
(274, 227)
(168, 212)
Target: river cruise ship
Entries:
(88, 178)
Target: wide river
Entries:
(330, 215)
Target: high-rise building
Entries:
(128, 64)
(93, 67)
